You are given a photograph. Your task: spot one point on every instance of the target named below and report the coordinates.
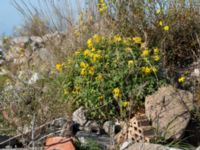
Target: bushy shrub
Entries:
(20, 103)
(34, 26)
(180, 45)
(110, 76)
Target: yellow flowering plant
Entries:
(181, 79)
(59, 67)
(102, 6)
(166, 28)
(109, 73)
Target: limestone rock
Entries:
(126, 144)
(92, 126)
(79, 116)
(22, 39)
(108, 126)
(169, 110)
(148, 146)
(34, 78)
(195, 73)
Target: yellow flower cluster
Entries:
(158, 11)
(145, 53)
(126, 104)
(97, 38)
(181, 79)
(156, 56)
(94, 40)
(83, 72)
(89, 43)
(94, 56)
(91, 71)
(84, 65)
(160, 23)
(117, 39)
(117, 93)
(137, 40)
(102, 6)
(86, 69)
(65, 91)
(130, 62)
(166, 27)
(87, 52)
(148, 70)
(59, 67)
(156, 50)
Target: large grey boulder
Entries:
(149, 146)
(169, 110)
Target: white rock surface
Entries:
(149, 146)
(79, 116)
(169, 110)
(126, 144)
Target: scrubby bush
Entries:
(171, 25)
(34, 26)
(21, 102)
(110, 76)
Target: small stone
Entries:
(198, 148)
(195, 73)
(92, 126)
(87, 127)
(34, 78)
(126, 144)
(36, 39)
(79, 116)
(59, 123)
(108, 126)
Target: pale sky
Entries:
(11, 18)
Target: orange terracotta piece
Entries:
(59, 143)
